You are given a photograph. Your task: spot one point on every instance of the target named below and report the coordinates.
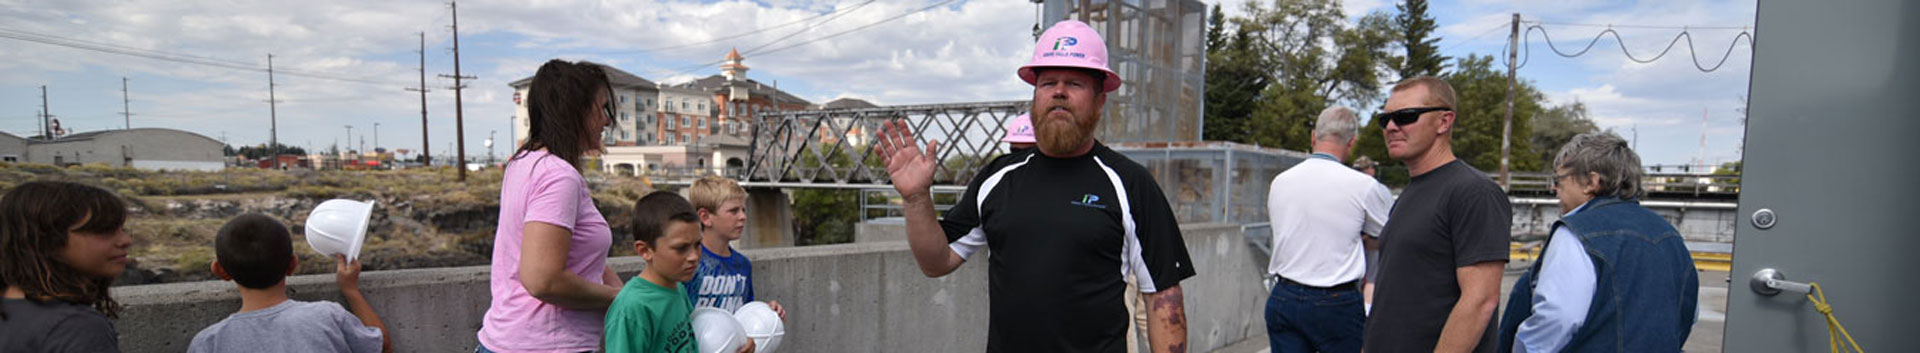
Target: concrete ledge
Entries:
(860, 297)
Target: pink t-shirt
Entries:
(539, 187)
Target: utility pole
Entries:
(46, 115)
(349, 139)
(273, 113)
(125, 112)
(1506, 126)
(426, 156)
(459, 120)
(376, 137)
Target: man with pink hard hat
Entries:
(1019, 134)
(1067, 221)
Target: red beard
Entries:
(1060, 137)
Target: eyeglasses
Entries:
(1556, 179)
(1407, 116)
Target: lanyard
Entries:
(1324, 156)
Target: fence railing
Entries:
(838, 146)
(1663, 183)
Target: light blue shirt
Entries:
(1561, 296)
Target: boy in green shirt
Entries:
(653, 314)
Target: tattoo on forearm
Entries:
(1173, 303)
(1170, 307)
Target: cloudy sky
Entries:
(348, 62)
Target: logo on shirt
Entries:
(1089, 200)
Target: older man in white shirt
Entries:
(1321, 213)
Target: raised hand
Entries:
(346, 273)
(910, 169)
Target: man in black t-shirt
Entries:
(1067, 221)
(1445, 243)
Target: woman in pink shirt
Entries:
(550, 281)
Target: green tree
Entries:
(1415, 35)
(1730, 169)
(261, 151)
(1557, 125)
(825, 216)
(1482, 92)
(1235, 76)
(1305, 73)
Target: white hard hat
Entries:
(339, 227)
(717, 332)
(762, 324)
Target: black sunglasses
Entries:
(1407, 116)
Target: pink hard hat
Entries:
(1020, 130)
(1071, 44)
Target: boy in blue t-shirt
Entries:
(725, 277)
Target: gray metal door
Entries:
(1832, 141)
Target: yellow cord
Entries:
(1834, 330)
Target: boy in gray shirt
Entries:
(256, 252)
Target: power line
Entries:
(170, 56)
(743, 34)
(17, 32)
(138, 53)
(1638, 26)
(1686, 34)
(831, 36)
(690, 68)
(802, 30)
(1496, 28)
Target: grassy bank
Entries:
(423, 218)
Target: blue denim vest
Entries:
(1646, 293)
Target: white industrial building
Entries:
(144, 148)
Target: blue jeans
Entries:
(1307, 319)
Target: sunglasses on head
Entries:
(1407, 116)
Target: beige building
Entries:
(685, 116)
(634, 100)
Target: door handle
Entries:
(1770, 282)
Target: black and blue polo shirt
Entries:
(1065, 233)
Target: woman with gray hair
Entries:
(1614, 276)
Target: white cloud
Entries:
(954, 53)
(1664, 100)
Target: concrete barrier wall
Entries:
(862, 297)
